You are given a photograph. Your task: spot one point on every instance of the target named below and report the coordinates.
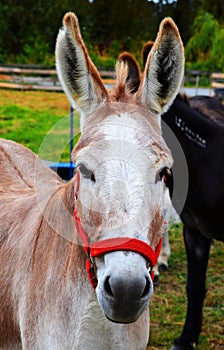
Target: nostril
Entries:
(146, 289)
(107, 286)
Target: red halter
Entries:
(102, 247)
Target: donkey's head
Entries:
(122, 160)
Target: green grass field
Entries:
(168, 305)
(40, 121)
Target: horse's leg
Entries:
(197, 249)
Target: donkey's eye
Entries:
(86, 173)
(166, 176)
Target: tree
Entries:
(204, 47)
(205, 28)
(123, 21)
(215, 8)
(217, 51)
(28, 23)
(29, 28)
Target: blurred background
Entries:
(29, 29)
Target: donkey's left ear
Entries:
(77, 73)
(164, 69)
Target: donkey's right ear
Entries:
(77, 73)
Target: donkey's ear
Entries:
(77, 73)
(164, 70)
(133, 77)
(145, 52)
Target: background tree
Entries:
(215, 8)
(29, 28)
(217, 52)
(206, 33)
(119, 20)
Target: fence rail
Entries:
(217, 84)
(36, 77)
(29, 78)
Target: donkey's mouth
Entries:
(120, 322)
(123, 310)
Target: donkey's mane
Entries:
(122, 91)
(121, 72)
(208, 107)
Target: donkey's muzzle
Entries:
(124, 299)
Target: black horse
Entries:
(197, 125)
(199, 128)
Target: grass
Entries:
(168, 304)
(40, 121)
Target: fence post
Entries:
(71, 140)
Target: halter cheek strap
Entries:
(105, 246)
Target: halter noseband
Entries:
(102, 247)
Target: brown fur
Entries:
(72, 22)
(156, 229)
(23, 236)
(121, 90)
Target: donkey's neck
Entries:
(55, 243)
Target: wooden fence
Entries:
(34, 77)
(37, 78)
(217, 84)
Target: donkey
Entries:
(169, 212)
(199, 127)
(198, 124)
(77, 257)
